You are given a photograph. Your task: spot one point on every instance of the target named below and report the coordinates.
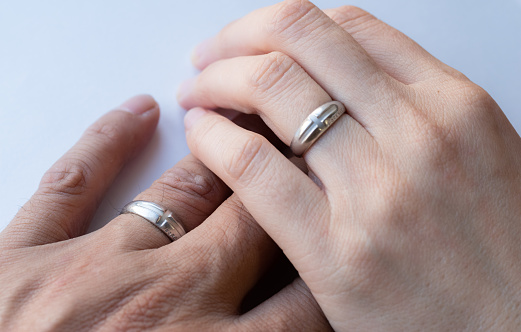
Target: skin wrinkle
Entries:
(143, 305)
(123, 299)
(294, 21)
(286, 86)
(350, 17)
(273, 69)
(242, 166)
(191, 204)
(68, 178)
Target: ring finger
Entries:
(189, 190)
(282, 93)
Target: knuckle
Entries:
(109, 131)
(293, 19)
(349, 16)
(244, 162)
(148, 305)
(271, 74)
(201, 271)
(192, 188)
(187, 182)
(434, 143)
(426, 131)
(465, 104)
(475, 98)
(365, 265)
(67, 177)
(436, 147)
(432, 136)
(144, 311)
(244, 232)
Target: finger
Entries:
(260, 176)
(71, 190)
(393, 51)
(189, 189)
(277, 88)
(271, 85)
(293, 308)
(325, 50)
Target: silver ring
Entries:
(158, 216)
(315, 126)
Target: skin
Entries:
(128, 276)
(410, 216)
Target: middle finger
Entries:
(327, 52)
(282, 93)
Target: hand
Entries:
(410, 217)
(128, 276)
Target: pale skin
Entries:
(128, 276)
(410, 216)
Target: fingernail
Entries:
(185, 88)
(193, 115)
(139, 104)
(199, 52)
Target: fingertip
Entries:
(140, 104)
(194, 58)
(193, 116)
(199, 54)
(183, 92)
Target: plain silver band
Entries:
(158, 216)
(315, 125)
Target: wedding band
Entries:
(315, 125)
(158, 216)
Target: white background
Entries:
(64, 63)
